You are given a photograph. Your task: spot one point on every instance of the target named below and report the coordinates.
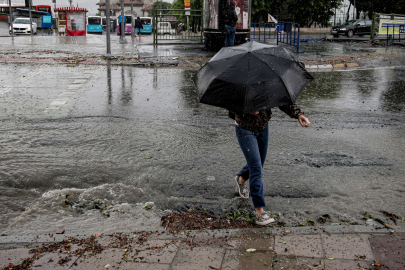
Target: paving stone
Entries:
(155, 251)
(257, 239)
(336, 229)
(51, 261)
(339, 264)
(344, 246)
(339, 65)
(256, 260)
(198, 258)
(291, 262)
(13, 256)
(301, 230)
(111, 259)
(299, 245)
(389, 250)
(311, 66)
(369, 229)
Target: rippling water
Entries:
(140, 136)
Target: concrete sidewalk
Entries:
(322, 247)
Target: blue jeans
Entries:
(138, 31)
(254, 147)
(230, 35)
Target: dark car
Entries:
(353, 27)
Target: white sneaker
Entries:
(243, 189)
(264, 219)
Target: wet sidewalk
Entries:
(322, 247)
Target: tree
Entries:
(162, 5)
(261, 8)
(386, 6)
(307, 12)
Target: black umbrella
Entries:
(251, 77)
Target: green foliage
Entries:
(387, 6)
(162, 5)
(307, 12)
(261, 8)
(240, 215)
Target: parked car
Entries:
(353, 27)
(22, 26)
(165, 28)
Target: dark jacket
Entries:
(260, 121)
(232, 18)
(138, 24)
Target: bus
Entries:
(44, 8)
(94, 25)
(128, 26)
(147, 25)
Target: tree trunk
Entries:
(348, 12)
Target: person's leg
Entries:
(232, 36)
(263, 142)
(227, 36)
(249, 145)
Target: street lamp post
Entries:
(107, 14)
(11, 18)
(122, 26)
(30, 7)
(132, 21)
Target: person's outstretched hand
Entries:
(304, 121)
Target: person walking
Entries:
(230, 23)
(138, 26)
(252, 132)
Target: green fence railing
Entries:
(177, 25)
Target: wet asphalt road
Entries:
(135, 135)
(127, 136)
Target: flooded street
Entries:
(74, 138)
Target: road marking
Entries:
(67, 94)
(58, 102)
(80, 81)
(74, 86)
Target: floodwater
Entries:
(128, 137)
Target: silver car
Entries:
(22, 26)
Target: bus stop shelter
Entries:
(72, 20)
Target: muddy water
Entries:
(136, 137)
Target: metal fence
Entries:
(177, 25)
(284, 32)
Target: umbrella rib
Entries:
(278, 75)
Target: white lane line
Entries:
(59, 102)
(74, 86)
(80, 81)
(5, 90)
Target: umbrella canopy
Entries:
(251, 77)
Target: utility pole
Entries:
(30, 7)
(122, 26)
(70, 2)
(11, 18)
(132, 21)
(108, 22)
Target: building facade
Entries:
(115, 7)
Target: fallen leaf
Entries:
(98, 234)
(107, 265)
(331, 258)
(251, 250)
